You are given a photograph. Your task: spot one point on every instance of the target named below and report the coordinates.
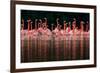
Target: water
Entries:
(42, 48)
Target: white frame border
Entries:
(19, 65)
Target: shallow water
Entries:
(54, 48)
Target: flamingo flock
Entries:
(41, 29)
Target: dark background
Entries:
(52, 16)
